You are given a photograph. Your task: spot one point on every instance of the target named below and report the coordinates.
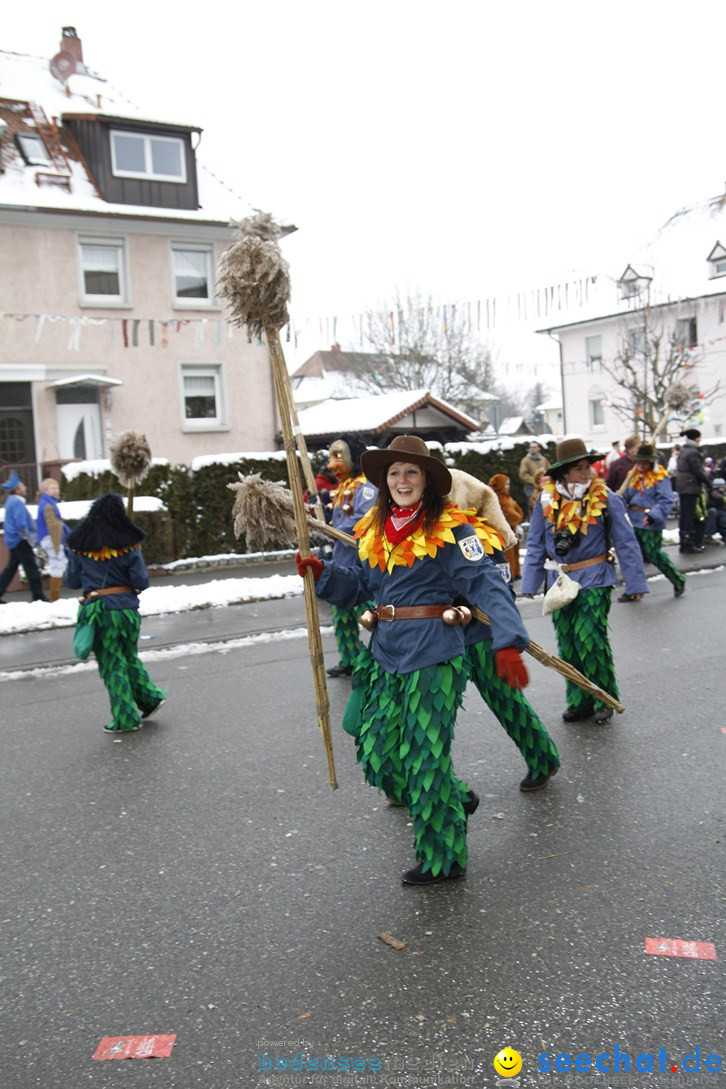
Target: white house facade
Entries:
(674, 289)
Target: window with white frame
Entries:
(192, 274)
(143, 155)
(636, 340)
(102, 267)
(593, 352)
(202, 396)
(717, 261)
(33, 149)
(597, 412)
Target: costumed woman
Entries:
(416, 553)
(574, 526)
(355, 495)
(19, 532)
(105, 560)
(52, 535)
(649, 500)
(512, 511)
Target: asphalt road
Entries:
(200, 878)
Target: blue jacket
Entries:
(364, 496)
(127, 569)
(18, 524)
(541, 546)
(658, 499)
(460, 568)
(49, 501)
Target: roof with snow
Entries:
(685, 259)
(379, 414)
(514, 425)
(32, 97)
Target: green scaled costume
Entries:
(347, 632)
(403, 726)
(513, 710)
(581, 628)
(650, 545)
(129, 686)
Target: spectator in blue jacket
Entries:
(19, 539)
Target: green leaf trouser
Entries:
(650, 546)
(582, 637)
(405, 727)
(513, 709)
(130, 688)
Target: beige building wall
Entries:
(47, 335)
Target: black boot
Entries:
(577, 714)
(416, 877)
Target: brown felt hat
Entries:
(407, 448)
(571, 450)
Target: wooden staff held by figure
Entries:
(254, 279)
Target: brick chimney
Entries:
(71, 43)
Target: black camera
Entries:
(564, 541)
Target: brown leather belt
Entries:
(91, 595)
(420, 612)
(634, 506)
(607, 557)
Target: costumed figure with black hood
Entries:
(648, 499)
(105, 560)
(354, 497)
(574, 526)
(418, 553)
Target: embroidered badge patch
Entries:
(471, 548)
(368, 492)
(505, 571)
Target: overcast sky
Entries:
(465, 148)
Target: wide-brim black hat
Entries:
(572, 450)
(412, 449)
(645, 453)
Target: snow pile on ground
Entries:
(24, 616)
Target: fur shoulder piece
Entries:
(469, 493)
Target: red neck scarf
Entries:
(402, 521)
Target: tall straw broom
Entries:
(254, 278)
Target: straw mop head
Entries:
(263, 512)
(254, 277)
(130, 457)
(678, 397)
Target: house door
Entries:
(79, 431)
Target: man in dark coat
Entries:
(691, 478)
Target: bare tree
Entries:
(416, 344)
(653, 370)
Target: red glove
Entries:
(312, 563)
(511, 668)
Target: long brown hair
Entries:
(433, 504)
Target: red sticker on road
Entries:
(135, 1047)
(676, 947)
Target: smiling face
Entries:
(579, 473)
(508, 1062)
(406, 483)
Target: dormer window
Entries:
(717, 261)
(33, 149)
(141, 155)
(632, 284)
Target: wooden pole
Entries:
(284, 398)
(538, 652)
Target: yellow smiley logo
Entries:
(508, 1062)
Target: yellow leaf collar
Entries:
(380, 553)
(349, 485)
(574, 514)
(107, 553)
(642, 481)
